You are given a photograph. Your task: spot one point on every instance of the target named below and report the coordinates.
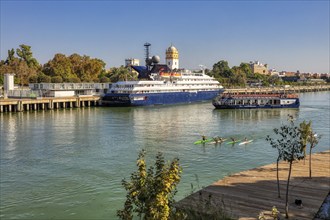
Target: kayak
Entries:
(219, 142)
(203, 141)
(233, 142)
(245, 142)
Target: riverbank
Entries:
(284, 89)
(246, 194)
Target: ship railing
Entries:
(259, 96)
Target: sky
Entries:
(287, 35)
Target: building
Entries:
(68, 89)
(172, 58)
(258, 67)
(132, 62)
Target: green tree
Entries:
(120, 74)
(222, 69)
(57, 79)
(239, 76)
(60, 65)
(305, 131)
(25, 53)
(308, 136)
(11, 56)
(246, 68)
(313, 139)
(150, 191)
(42, 78)
(33, 79)
(289, 147)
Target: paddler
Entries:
(216, 139)
(204, 137)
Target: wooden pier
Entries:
(244, 195)
(47, 103)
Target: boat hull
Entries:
(158, 98)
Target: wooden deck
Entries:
(244, 195)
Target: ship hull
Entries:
(168, 98)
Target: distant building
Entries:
(274, 72)
(258, 67)
(132, 62)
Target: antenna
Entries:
(202, 68)
(147, 45)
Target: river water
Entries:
(68, 164)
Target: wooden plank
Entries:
(250, 192)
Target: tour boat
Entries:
(249, 101)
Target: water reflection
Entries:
(256, 114)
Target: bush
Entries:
(150, 191)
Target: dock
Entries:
(290, 89)
(47, 103)
(246, 194)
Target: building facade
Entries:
(258, 67)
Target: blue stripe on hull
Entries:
(157, 98)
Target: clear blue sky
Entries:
(287, 35)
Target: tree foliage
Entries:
(24, 52)
(305, 131)
(24, 66)
(288, 144)
(150, 191)
(308, 136)
(121, 74)
(74, 67)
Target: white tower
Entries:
(172, 58)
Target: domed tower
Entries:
(172, 58)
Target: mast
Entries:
(147, 45)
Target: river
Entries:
(69, 163)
